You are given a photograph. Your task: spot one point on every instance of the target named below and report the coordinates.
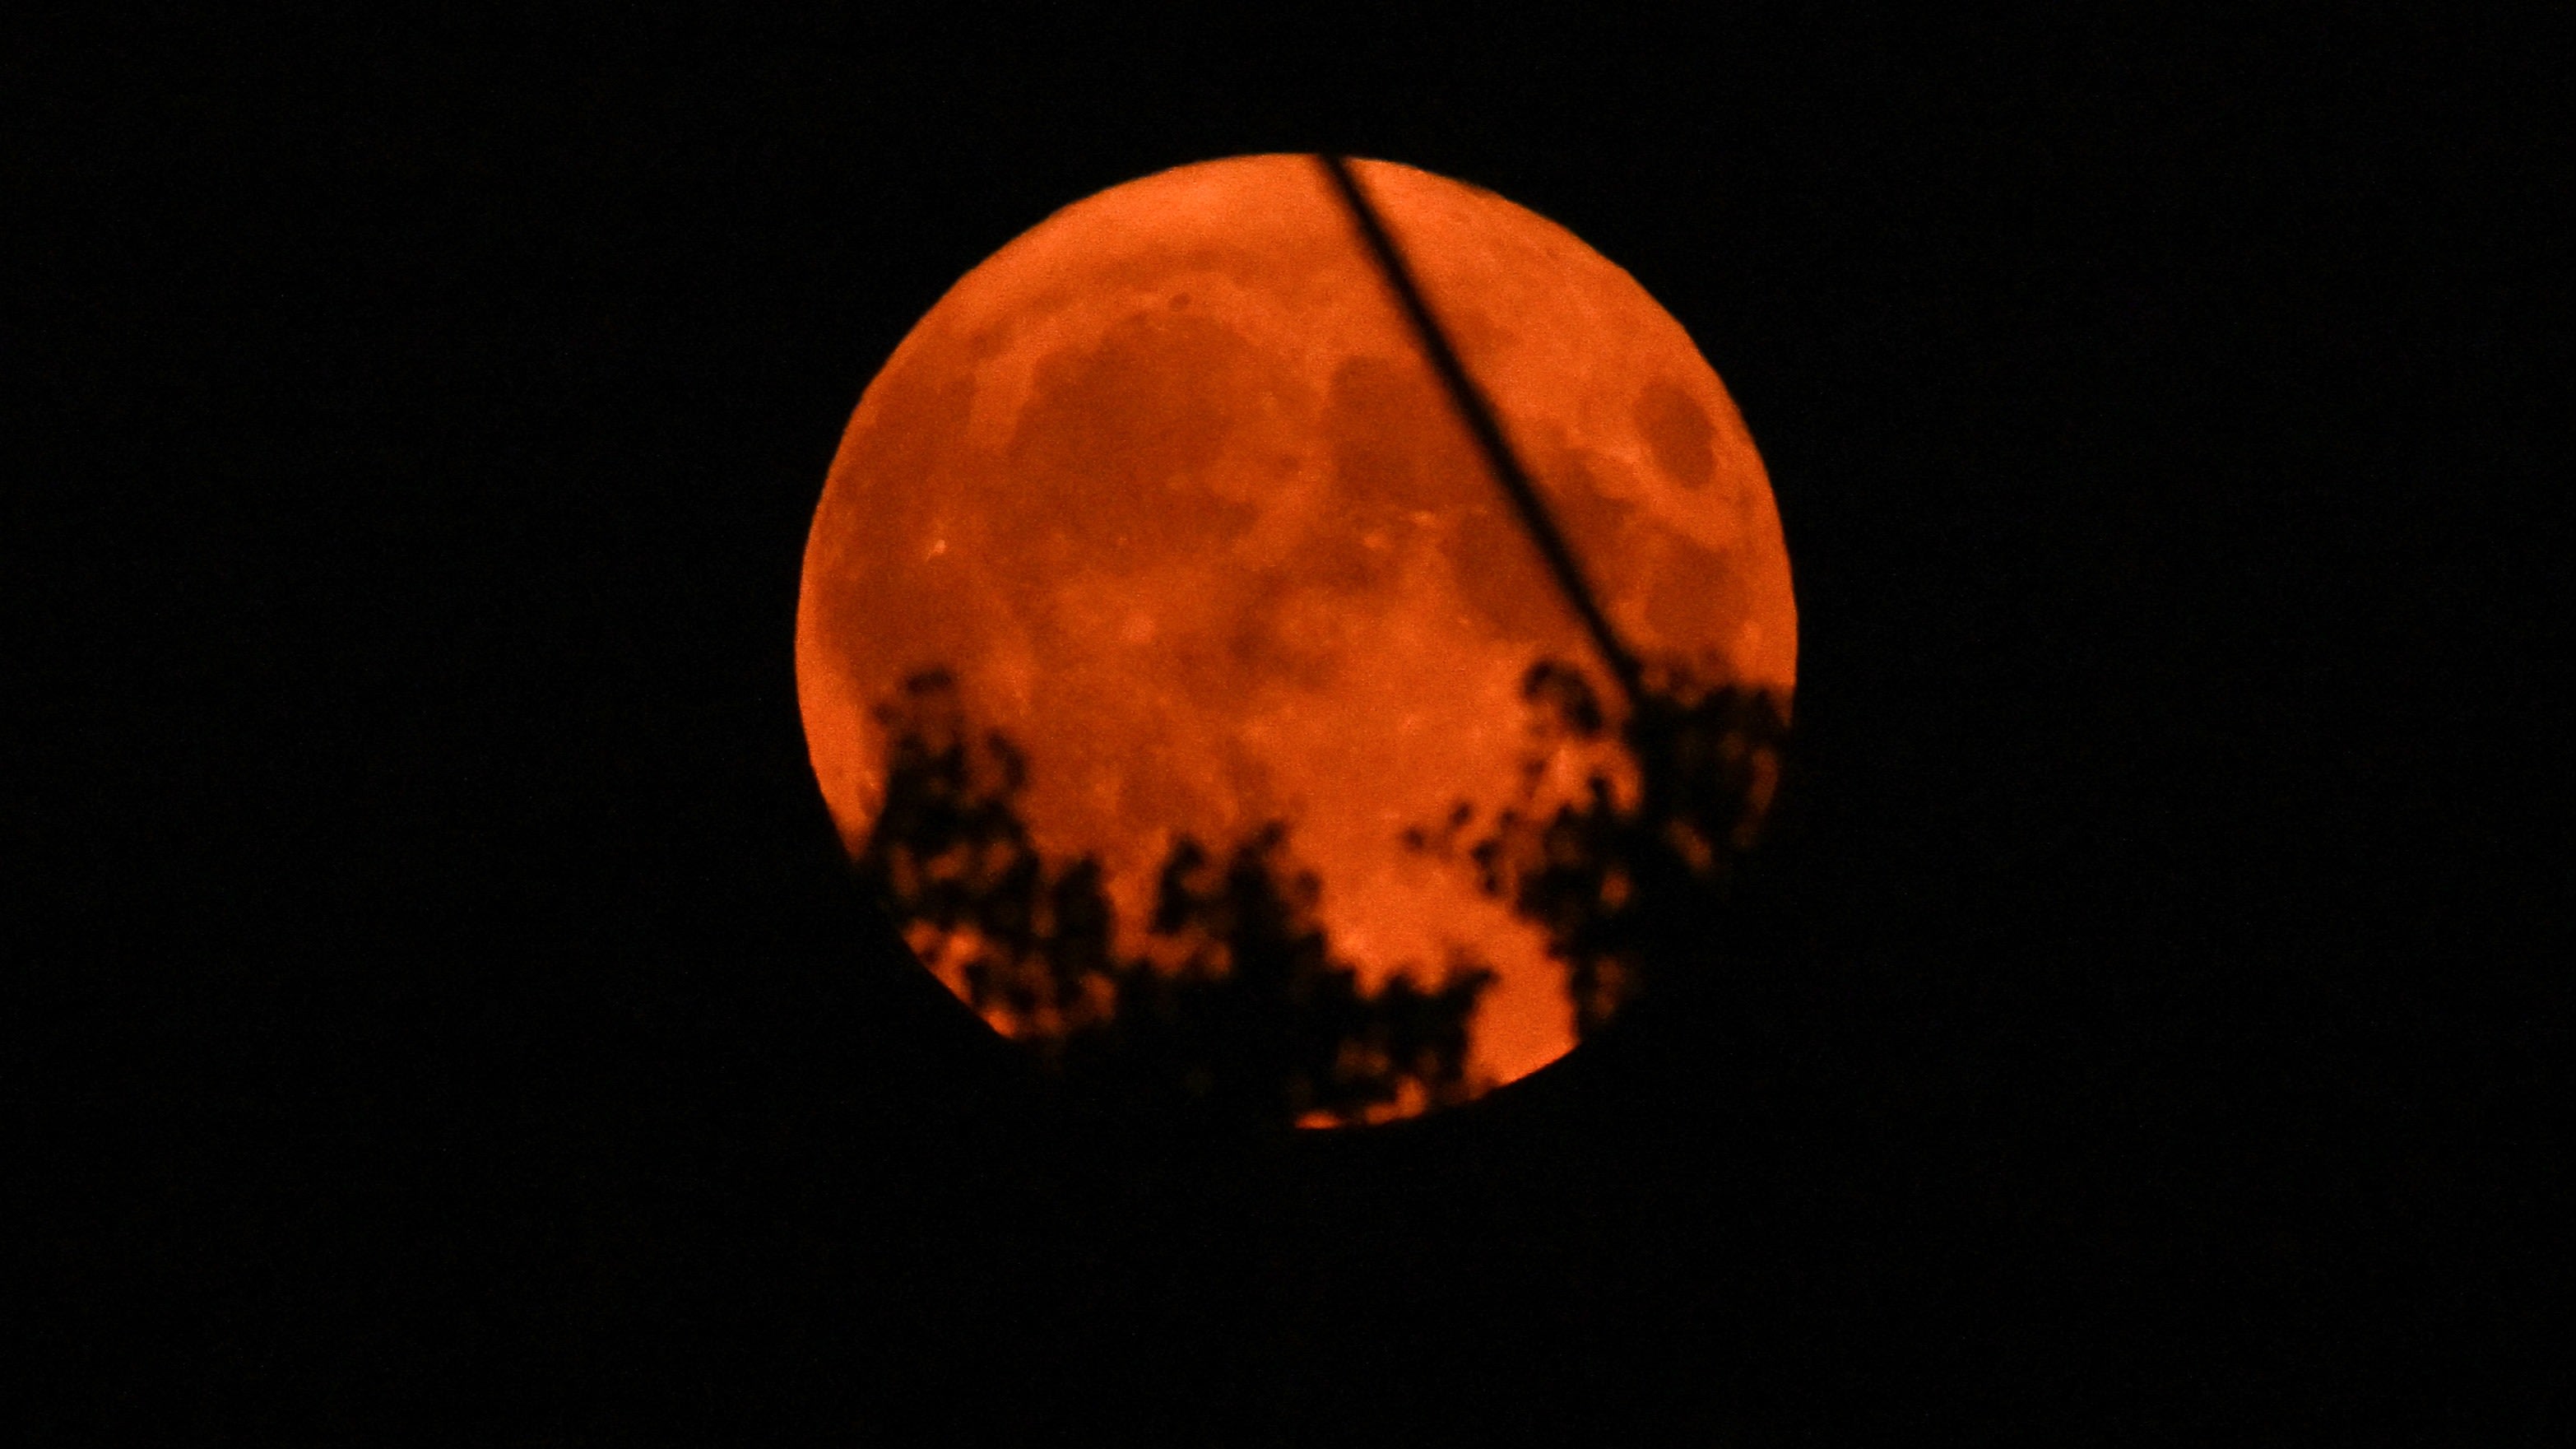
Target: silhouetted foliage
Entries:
(1240, 1011)
(1623, 889)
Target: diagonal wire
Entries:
(1478, 414)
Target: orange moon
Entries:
(1170, 489)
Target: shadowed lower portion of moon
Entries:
(1168, 487)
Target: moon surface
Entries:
(1168, 486)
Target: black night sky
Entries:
(454, 1019)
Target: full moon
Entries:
(1169, 489)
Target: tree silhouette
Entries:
(1625, 890)
(1619, 890)
(1241, 1013)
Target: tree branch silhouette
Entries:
(1477, 413)
(1614, 888)
(1248, 1017)
(1624, 891)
